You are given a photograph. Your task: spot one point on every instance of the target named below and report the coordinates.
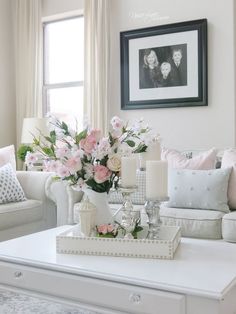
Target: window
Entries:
(64, 69)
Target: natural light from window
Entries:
(64, 69)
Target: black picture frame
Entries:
(144, 84)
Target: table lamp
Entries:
(33, 127)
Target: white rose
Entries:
(114, 162)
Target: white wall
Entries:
(53, 7)
(184, 128)
(7, 86)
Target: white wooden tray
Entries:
(71, 242)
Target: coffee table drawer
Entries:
(103, 293)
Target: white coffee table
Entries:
(200, 279)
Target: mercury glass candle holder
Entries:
(129, 217)
(152, 208)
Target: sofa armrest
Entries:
(34, 183)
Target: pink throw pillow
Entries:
(229, 160)
(176, 160)
(7, 155)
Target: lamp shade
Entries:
(33, 127)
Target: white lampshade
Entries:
(32, 127)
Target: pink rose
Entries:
(73, 164)
(101, 173)
(88, 143)
(97, 134)
(117, 123)
(102, 229)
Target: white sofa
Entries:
(37, 213)
(196, 223)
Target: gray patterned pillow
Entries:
(10, 188)
(137, 197)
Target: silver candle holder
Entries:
(152, 208)
(129, 217)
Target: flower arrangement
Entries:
(87, 158)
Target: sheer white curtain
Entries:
(96, 75)
(28, 60)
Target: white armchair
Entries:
(37, 213)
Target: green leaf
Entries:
(48, 151)
(111, 139)
(141, 148)
(22, 151)
(130, 143)
(36, 141)
(48, 139)
(53, 137)
(80, 136)
(64, 126)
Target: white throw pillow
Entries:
(201, 189)
(177, 160)
(7, 155)
(10, 188)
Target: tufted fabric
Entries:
(10, 188)
(138, 197)
(199, 189)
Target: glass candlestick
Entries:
(129, 216)
(152, 208)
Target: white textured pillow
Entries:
(137, 197)
(202, 189)
(10, 188)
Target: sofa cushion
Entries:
(10, 188)
(177, 160)
(20, 213)
(200, 189)
(138, 197)
(194, 223)
(229, 160)
(7, 155)
(229, 227)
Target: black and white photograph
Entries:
(164, 66)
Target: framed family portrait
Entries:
(164, 66)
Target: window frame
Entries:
(46, 87)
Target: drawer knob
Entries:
(18, 274)
(135, 298)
